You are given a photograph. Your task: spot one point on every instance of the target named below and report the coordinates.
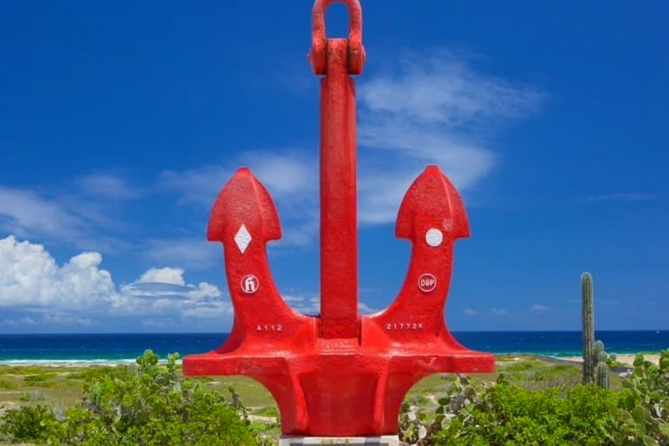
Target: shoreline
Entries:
(626, 360)
(74, 363)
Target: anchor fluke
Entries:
(432, 203)
(244, 201)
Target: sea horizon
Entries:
(121, 348)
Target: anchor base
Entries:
(384, 440)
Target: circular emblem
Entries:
(250, 284)
(434, 237)
(427, 283)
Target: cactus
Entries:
(599, 348)
(602, 371)
(588, 315)
(602, 356)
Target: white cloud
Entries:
(311, 304)
(174, 276)
(31, 277)
(32, 281)
(193, 253)
(51, 320)
(291, 178)
(109, 186)
(469, 312)
(623, 197)
(73, 217)
(430, 108)
(363, 308)
(499, 311)
(539, 308)
(438, 85)
(422, 108)
(292, 174)
(25, 212)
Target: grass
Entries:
(7, 385)
(62, 386)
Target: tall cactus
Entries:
(588, 316)
(603, 378)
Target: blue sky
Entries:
(120, 122)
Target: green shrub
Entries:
(37, 378)
(553, 377)
(7, 385)
(93, 373)
(645, 401)
(31, 397)
(27, 423)
(523, 366)
(39, 381)
(511, 415)
(146, 405)
(508, 415)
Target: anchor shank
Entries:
(339, 224)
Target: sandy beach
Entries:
(622, 359)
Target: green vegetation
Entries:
(506, 413)
(6, 385)
(142, 405)
(528, 402)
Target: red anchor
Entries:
(339, 374)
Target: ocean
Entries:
(68, 349)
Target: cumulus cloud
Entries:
(469, 312)
(174, 276)
(31, 277)
(499, 311)
(32, 280)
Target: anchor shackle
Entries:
(319, 40)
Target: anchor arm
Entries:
(244, 220)
(432, 216)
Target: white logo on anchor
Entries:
(427, 283)
(250, 284)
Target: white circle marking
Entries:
(434, 237)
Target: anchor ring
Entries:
(356, 51)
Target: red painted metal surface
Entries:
(339, 374)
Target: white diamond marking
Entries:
(243, 239)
